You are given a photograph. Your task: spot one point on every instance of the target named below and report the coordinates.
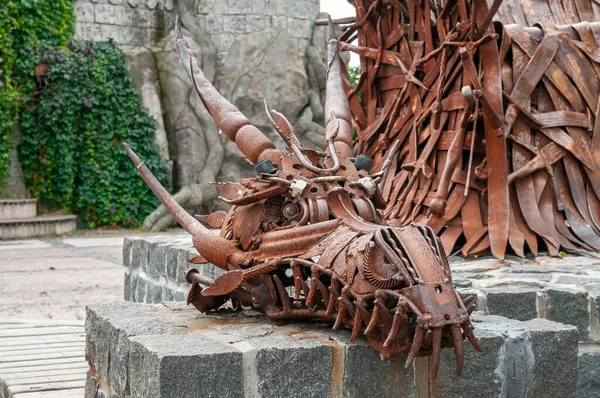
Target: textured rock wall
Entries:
(249, 49)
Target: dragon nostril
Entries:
(447, 317)
(438, 288)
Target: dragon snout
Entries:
(440, 320)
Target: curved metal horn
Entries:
(249, 139)
(337, 111)
(213, 248)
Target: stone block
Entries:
(139, 254)
(241, 7)
(214, 24)
(567, 305)
(304, 9)
(588, 383)
(182, 366)
(172, 262)
(157, 260)
(154, 292)
(292, 367)
(555, 368)
(172, 351)
(206, 6)
(139, 295)
(594, 306)
(167, 294)
(366, 373)
(84, 12)
(259, 7)
(299, 28)
(127, 283)
(180, 296)
(256, 23)
(235, 24)
(513, 302)
(127, 252)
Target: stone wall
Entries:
(249, 49)
(164, 351)
(143, 23)
(561, 290)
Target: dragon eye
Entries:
(438, 288)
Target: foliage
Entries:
(25, 25)
(71, 153)
(353, 75)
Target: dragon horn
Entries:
(213, 248)
(337, 110)
(248, 138)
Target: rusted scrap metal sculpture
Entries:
(306, 239)
(523, 164)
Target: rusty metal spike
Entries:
(417, 343)
(459, 353)
(283, 296)
(356, 326)
(322, 289)
(393, 330)
(374, 320)
(436, 345)
(468, 330)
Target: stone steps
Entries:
(18, 208)
(18, 220)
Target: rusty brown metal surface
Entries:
(469, 132)
(307, 238)
(515, 160)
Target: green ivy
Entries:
(25, 25)
(72, 133)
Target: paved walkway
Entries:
(56, 279)
(45, 285)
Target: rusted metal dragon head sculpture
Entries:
(306, 238)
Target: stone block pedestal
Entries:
(170, 350)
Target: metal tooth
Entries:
(416, 345)
(297, 280)
(305, 288)
(393, 330)
(436, 346)
(271, 288)
(283, 296)
(457, 341)
(375, 317)
(468, 329)
(363, 312)
(332, 298)
(357, 324)
(322, 289)
(341, 314)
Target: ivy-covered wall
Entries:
(25, 25)
(74, 114)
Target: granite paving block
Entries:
(555, 366)
(514, 302)
(568, 305)
(139, 350)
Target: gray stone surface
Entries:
(138, 350)
(551, 344)
(546, 288)
(514, 302)
(568, 305)
(588, 384)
